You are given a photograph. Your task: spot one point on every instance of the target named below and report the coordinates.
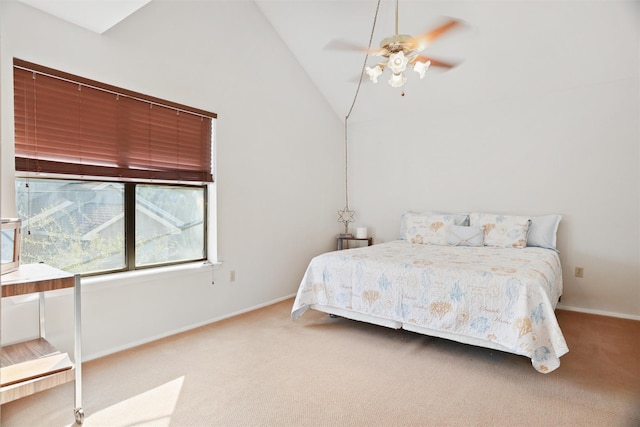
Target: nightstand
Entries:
(341, 241)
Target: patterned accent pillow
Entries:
(410, 216)
(426, 229)
(505, 231)
(460, 235)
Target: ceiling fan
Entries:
(402, 50)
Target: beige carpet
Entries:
(263, 369)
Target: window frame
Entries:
(130, 225)
(129, 209)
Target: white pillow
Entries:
(505, 231)
(460, 235)
(543, 230)
(426, 229)
(458, 218)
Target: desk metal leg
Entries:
(77, 358)
(41, 313)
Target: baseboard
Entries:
(598, 312)
(277, 300)
(86, 358)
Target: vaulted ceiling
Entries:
(505, 48)
(94, 15)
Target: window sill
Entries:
(126, 277)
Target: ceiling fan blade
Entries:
(344, 45)
(424, 40)
(352, 47)
(434, 62)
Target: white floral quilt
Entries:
(503, 297)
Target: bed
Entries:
(500, 296)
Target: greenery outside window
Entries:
(93, 227)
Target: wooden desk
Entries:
(35, 365)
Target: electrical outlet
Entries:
(232, 276)
(579, 272)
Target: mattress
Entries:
(500, 298)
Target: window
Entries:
(81, 226)
(169, 224)
(127, 174)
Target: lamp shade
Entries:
(398, 62)
(374, 72)
(397, 80)
(421, 67)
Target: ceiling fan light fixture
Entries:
(397, 80)
(399, 51)
(374, 72)
(398, 62)
(421, 68)
(402, 50)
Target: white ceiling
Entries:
(95, 15)
(507, 48)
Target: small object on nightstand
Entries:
(345, 235)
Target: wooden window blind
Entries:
(71, 125)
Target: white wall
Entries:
(567, 142)
(278, 170)
(567, 146)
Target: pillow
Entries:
(458, 219)
(426, 229)
(460, 235)
(542, 231)
(504, 231)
